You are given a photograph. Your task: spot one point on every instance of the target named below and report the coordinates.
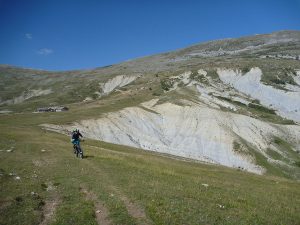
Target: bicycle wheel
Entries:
(80, 153)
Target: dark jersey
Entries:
(76, 135)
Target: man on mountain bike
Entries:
(76, 138)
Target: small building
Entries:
(53, 109)
(60, 108)
(44, 109)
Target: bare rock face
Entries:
(195, 131)
(118, 81)
(213, 128)
(27, 95)
(287, 103)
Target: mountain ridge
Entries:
(224, 82)
(274, 33)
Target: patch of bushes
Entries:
(297, 163)
(286, 147)
(278, 141)
(156, 94)
(231, 101)
(275, 155)
(224, 98)
(44, 186)
(166, 84)
(123, 88)
(256, 101)
(199, 77)
(276, 80)
(279, 77)
(236, 146)
(213, 74)
(245, 70)
(18, 199)
(261, 108)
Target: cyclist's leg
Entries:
(80, 149)
(79, 146)
(74, 145)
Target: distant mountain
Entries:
(234, 102)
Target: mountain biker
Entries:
(76, 138)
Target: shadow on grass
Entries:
(88, 156)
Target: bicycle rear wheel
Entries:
(80, 153)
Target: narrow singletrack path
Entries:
(101, 212)
(49, 210)
(134, 209)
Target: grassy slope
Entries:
(169, 191)
(74, 86)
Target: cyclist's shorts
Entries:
(75, 142)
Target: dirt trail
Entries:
(49, 210)
(101, 211)
(134, 210)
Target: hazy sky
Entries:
(70, 34)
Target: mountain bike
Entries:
(78, 150)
